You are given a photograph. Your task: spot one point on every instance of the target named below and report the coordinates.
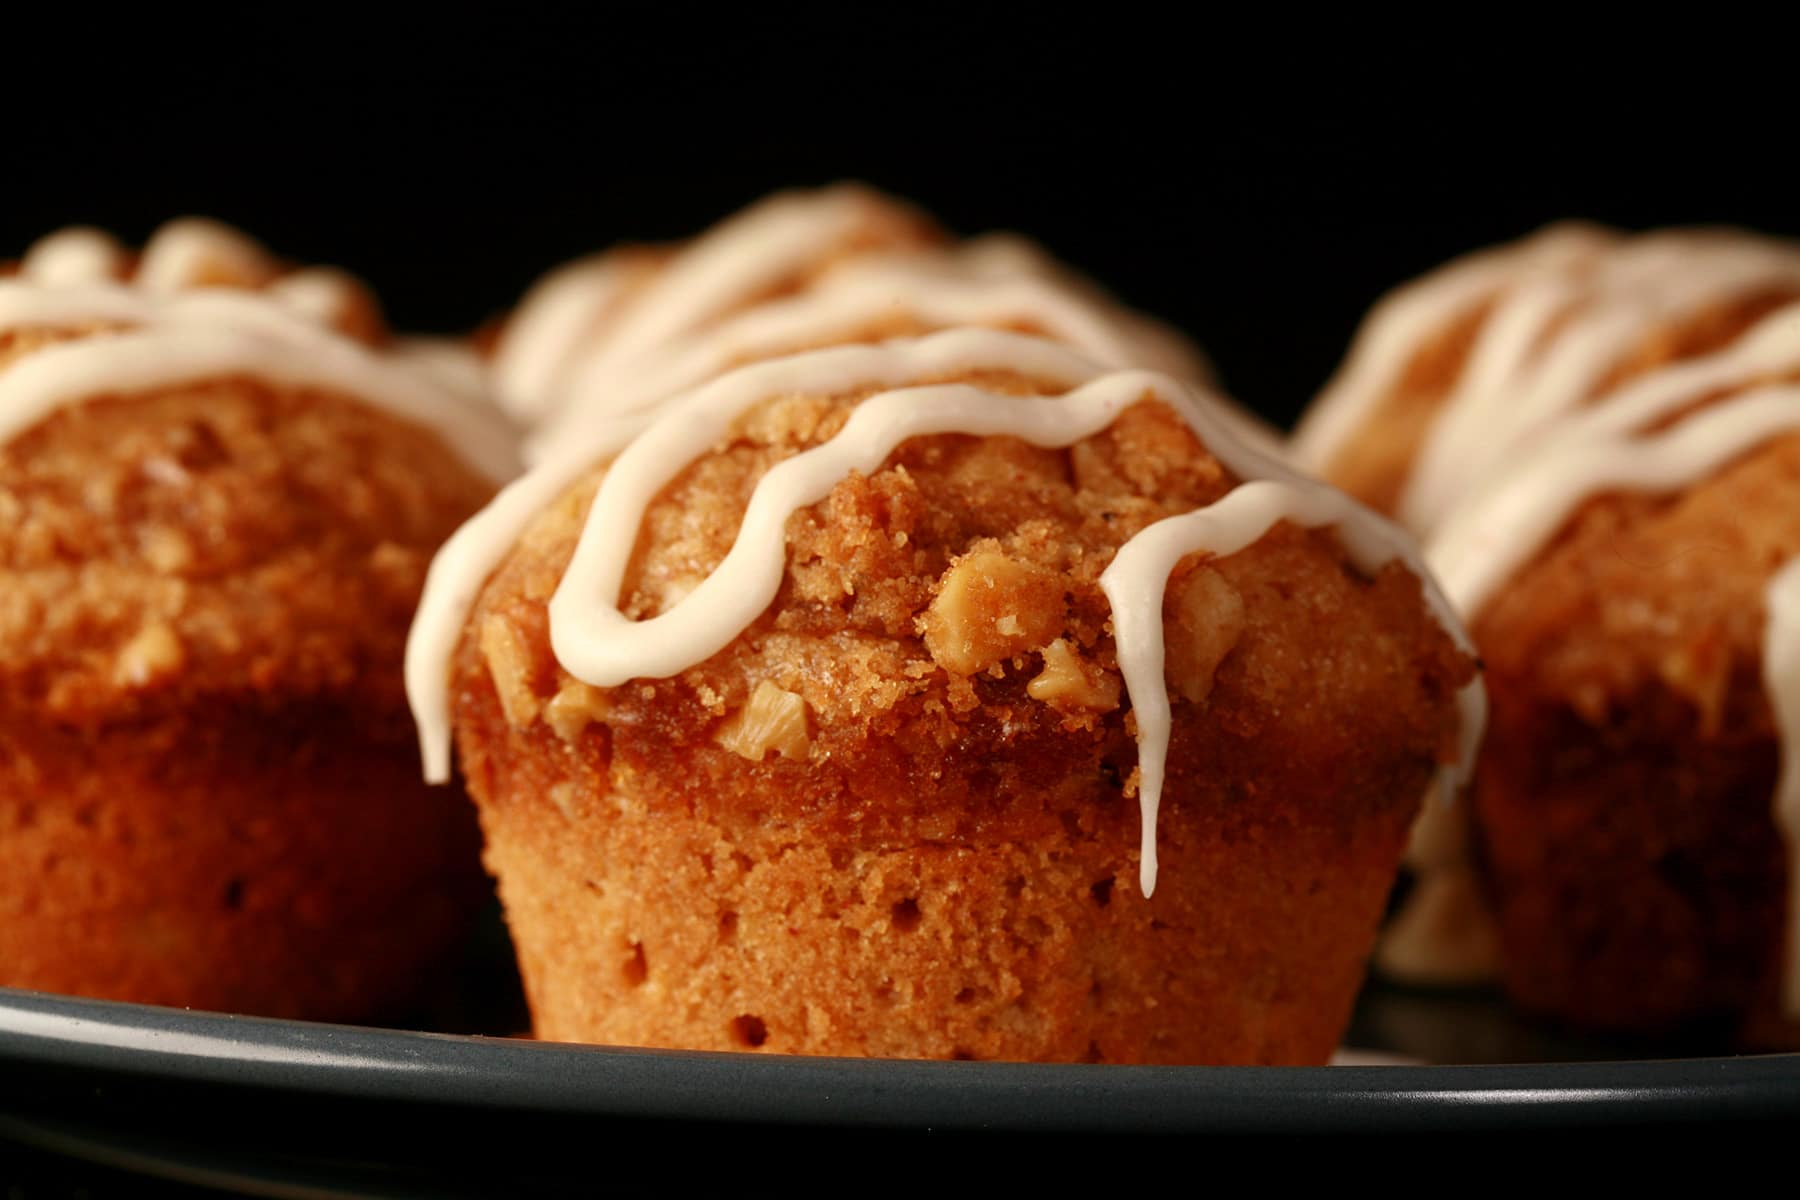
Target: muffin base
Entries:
(640, 920)
(1639, 888)
(279, 859)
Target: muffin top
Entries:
(1453, 376)
(958, 542)
(1633, 549)
(204, 491)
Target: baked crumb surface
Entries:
(258, 539)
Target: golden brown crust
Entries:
(1626, 793)
(948, 831)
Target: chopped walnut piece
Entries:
(150, 657)
(774, 719)
(566, 797)
(167, 550)
(1069, 681)
(509, 662)
(989, 608)
(575, 706)
(1203, 622)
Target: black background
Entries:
(1259, 191)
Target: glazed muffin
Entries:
(849, 703)
(800, 270)
(215, 517)
(1617, 554)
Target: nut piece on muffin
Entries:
(216, 513)
(951, 697)
(1607, 480)
(797, 271)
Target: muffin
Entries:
(806, 712)
(799, 271)
(215, 518)
(1617, 547)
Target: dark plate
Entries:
(216, 1098)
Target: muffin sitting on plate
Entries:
(948, 697)
(1597, 435)
(216, 509)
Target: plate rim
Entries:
(308, 1060)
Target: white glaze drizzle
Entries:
(1565, 307)
(189, 337)
(735, 261)
(1136, 579)
(611, 333)
(1781, 676)
(1494, 530)
(600, 316)
(464, 562)
(551, 326)
(1408, 317)
(185, 254)
(75, 256)
(1524, 372)
(999, 257)
(1624, 442)
(933, 289)
(324, 295)
(595, 642)
(192, 252)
